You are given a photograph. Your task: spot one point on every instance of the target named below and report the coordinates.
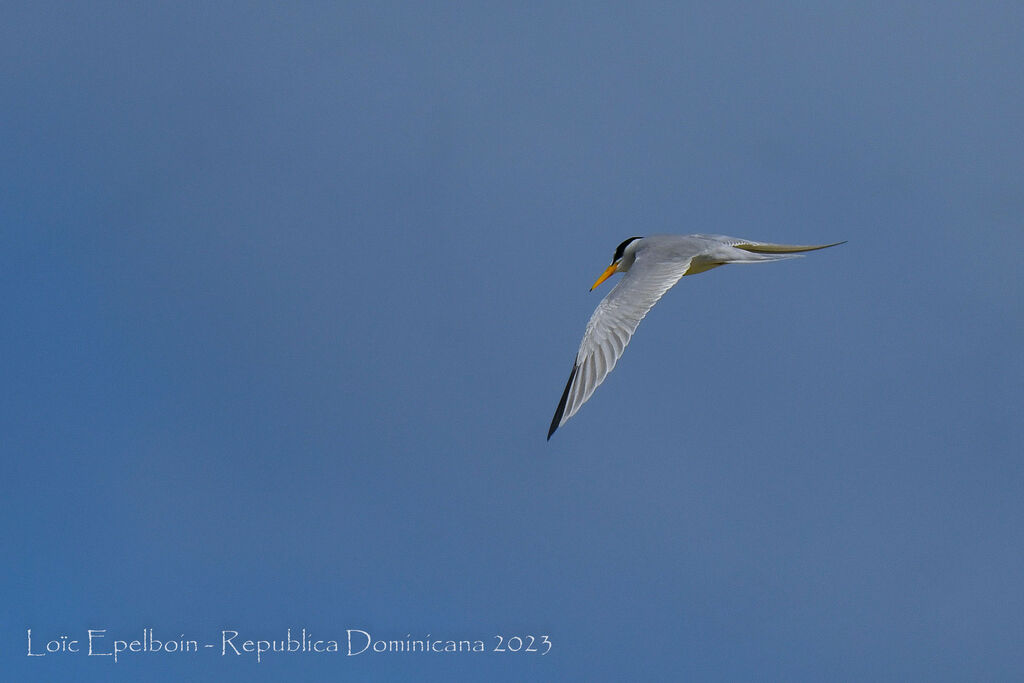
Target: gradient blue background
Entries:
(291, 293)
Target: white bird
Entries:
(652, 265)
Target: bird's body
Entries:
(652, 265)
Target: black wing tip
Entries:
(560, 410)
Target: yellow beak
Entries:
(609, 271)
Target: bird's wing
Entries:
(611, 327)
(769, 247)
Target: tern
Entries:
(652, 265)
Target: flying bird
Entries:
(652, 265)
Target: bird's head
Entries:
(622, 260)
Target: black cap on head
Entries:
(621, 248)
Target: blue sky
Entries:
(292, 293)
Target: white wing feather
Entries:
(612, 326)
